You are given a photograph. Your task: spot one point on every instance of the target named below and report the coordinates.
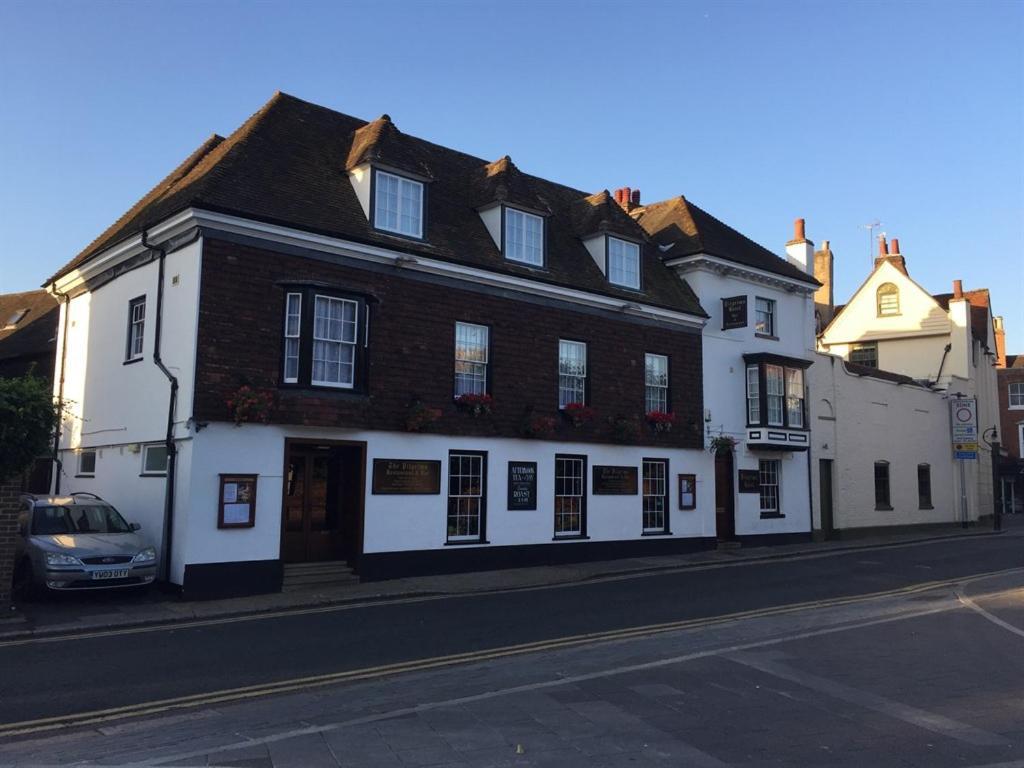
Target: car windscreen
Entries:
(77, 518)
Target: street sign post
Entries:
(965, 428)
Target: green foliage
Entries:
(28, 417)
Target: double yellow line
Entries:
(368, 673)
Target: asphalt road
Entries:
(59, 678)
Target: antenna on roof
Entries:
(871, 238)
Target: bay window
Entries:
(775, 391)
(773, 375)
(794, 397)
(753, 394)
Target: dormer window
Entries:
(398, 205)
(524, 237)
(623, 263)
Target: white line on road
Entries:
(994, 619)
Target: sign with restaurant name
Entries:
(615, 481)
(522, 485)
(734, 312)
(406, 476)
(750, 481)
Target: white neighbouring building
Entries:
(758, 346)
(880, 397)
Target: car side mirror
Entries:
(134, 526)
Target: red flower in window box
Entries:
(478, 405)
(578, 413)
(248, 404)
(661, 421)
(539, 426)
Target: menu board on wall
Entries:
(522, 485)
(237, 501)
(615, 481)
(687, 491)
(734, 312)
(406, 476)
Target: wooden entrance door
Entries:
(825, 486)
(725, 513)
(322, 503)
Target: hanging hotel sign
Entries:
(522, 485)
(749, 480)
(406, 476)
(615, 481)
(964, 412)
(734, 312)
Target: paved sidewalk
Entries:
(78, 612)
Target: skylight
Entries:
(14, 319)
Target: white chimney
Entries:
(800, 250)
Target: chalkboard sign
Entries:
(750, 481)
(615, 481)
(406, 476)
(522, 485)
(734, 312)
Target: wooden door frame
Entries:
(293, 441)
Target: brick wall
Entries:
(412, 351)
(9, 493)
(1009, 433)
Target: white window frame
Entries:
(753, 394)
(469, 505)
(655, 383)
(764, 316)
(769, 478)
(794, 397)
(81, 454)
(136, 328)
(520, 248)
(1015, 399)
(618, 251)
(566, 471)
(350, 384)
(145, 460)
(401, 202)
(572, 374)
(655, 497)
(773, 397)
(292, 337)
(469, 369)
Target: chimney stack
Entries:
(800, 250)
(883, 248)
(628, 198)
(635, 199)
(999, 331)
(890, 252)
(824, 297)
(958, 289)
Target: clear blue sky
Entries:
(911, 113)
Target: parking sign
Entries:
(965, 428)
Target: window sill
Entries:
(656, 533)
(772, 516)
(766, 336)
(928, 507)
(133, 360)
(570, 537)
(85, 477)
(466, 542)
(882, 509)
(313, 389)
(152, 474)
(399, 235)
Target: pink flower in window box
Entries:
(478, 405)
(578, 413)
(661, 421)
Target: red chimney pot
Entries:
(958, 289)
(894, 247)
(882, 251)
(798, 230)
(635, 200)
(626, 194)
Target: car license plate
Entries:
(118, 574)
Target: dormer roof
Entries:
(681, 229)
(503, 182)
(380, 142)
(600, 214)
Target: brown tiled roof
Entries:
(683, 229)
(878, 373)
(1015, 361)
(381, 142)
(979, 301)
(503, 182)
(286, 165)
(600, 213)
(35, 331)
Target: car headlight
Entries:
(147, 555)
(59, 558)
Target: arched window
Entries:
(888, 300)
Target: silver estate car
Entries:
(78, 542)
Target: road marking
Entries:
(991, 617)
(174, 625)
(929, 721)
(304, 683)
(569, 680)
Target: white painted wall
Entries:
(360, 178)
(422, 520)
(492, 220)
(857, 421)
(725, 387)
